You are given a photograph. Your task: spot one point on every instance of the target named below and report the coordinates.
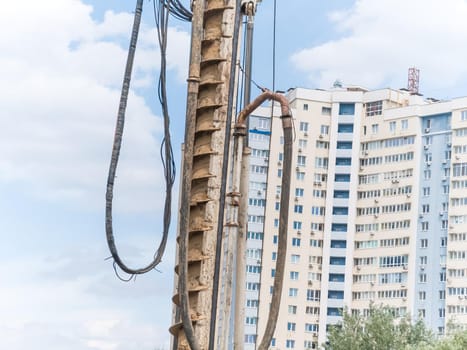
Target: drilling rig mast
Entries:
(209, 116)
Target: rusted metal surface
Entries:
(202, 167)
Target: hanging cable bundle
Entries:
(161, 13)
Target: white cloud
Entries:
(61, 76)
(379, 40)
(73, 301)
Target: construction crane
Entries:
(212, 222)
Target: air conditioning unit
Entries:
(310, 283)
(444, 161)
(403, 285)
(321, 136)
(296, 199)
(299, 150)
(278, 196)
(420, 216)
(376, 216)
(408, 195)
(372, 283)
(427, 130)
(444, 178)
(260, 193)
(428, 163)
(426, 147)
(318, 183)
(310, 266)
(361, 168)
(376, 201)
(279, 163)
(441, 213)
(395, 181)
(297, 168)
(404, 299)
(312, 232)
(359, 267)
(372, 233)
(422, 267)
(449, 144)
(299, 233)
(366, 153)
(405, 267)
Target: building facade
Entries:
(378, 212)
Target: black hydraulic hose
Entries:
(282, 242)
(117, 143)
(220, 217)
(284, 203)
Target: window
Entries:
(291, 326)
(374, 129)
(374, 108)
(464, 115)
(335, 294)
(422, 278)
(342, 178)
(301, 160)
(346, 108)
(300, 175)
(297, 225)
(404, 124)
(425, 208)
(345, 128)
(250, 338)
(338, 244)
(343, 161)
(334, 311)
(292, 309)
(313, 295)
(425, 226)
(293, 292)
(294, 275)
(427, 174)
(295, 258)
(337, 260)
(296, 242)
(305, 106)
(339, 227)
(444, 241)
(299, 192)
(326, 110)
(344, 144)
(298, 208)
(422, 295)
(424, 243)
(426, 191)
(336, 277)
(392, 127)
(302, 143)
(340, 210)
(290, 344)
(341, 194)
(324, 129)
(303, 126)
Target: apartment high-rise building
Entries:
(378, 211)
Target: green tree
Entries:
(380, 330)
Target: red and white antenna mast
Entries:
(414, 80)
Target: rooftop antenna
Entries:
(413, 81)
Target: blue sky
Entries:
(61, 63)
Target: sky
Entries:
(61, 67)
